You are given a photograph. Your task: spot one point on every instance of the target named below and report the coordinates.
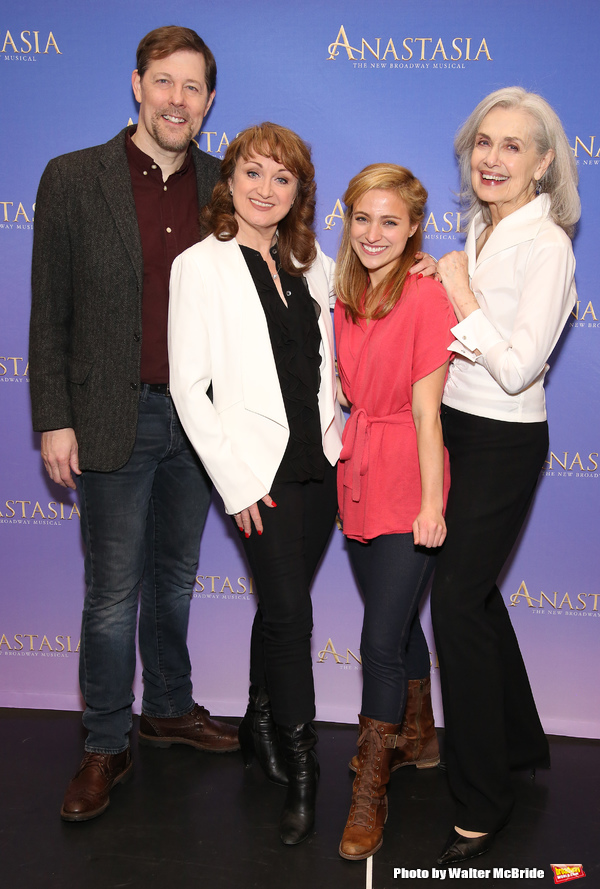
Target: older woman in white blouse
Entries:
(512, 291)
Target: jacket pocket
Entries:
(78, 369)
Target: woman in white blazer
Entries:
(249, 316)
(512, 290)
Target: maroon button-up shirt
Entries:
(167, 214)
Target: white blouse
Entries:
(523, 280)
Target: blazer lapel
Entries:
(260, 383)
(319, 289)
(115, 182)
(207, 175)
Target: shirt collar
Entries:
(146, 164)
(522, 225)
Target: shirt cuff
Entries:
(475, 333)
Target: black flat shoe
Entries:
(459, 848)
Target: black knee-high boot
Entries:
(298, 816)
(258, 736)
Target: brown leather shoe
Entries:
(87, 795)
(196, 729)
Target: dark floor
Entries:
(192, 819)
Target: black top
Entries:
(295, 340)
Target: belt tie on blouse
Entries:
(357, 440)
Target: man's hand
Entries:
(60, 455)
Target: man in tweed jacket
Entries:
(109, 221)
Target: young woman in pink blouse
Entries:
(393, 334)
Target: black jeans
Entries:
(283, 562)
(392, 574)
(490, 717)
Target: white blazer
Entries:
(218, 334)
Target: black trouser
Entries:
(283, 562)
(392, 574)
(490, 717)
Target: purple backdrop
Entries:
(360, 89)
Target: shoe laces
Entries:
(100, 761)
(364, 803)
(371, 735)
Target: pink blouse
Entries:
(379, 482)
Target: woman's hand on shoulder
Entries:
(429, 528)
(453, 268)
(425, 265)
(453, 273)
(250, 515)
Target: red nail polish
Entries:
(273, 503)
(247, 535)
(419, 276)
(260, 533)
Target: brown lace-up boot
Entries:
(363, 834)
(417, 742)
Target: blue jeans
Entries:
(392, 574)
(141, 527)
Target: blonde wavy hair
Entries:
(351, 277)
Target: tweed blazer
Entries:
(86, 316)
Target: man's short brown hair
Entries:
(163, 42)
